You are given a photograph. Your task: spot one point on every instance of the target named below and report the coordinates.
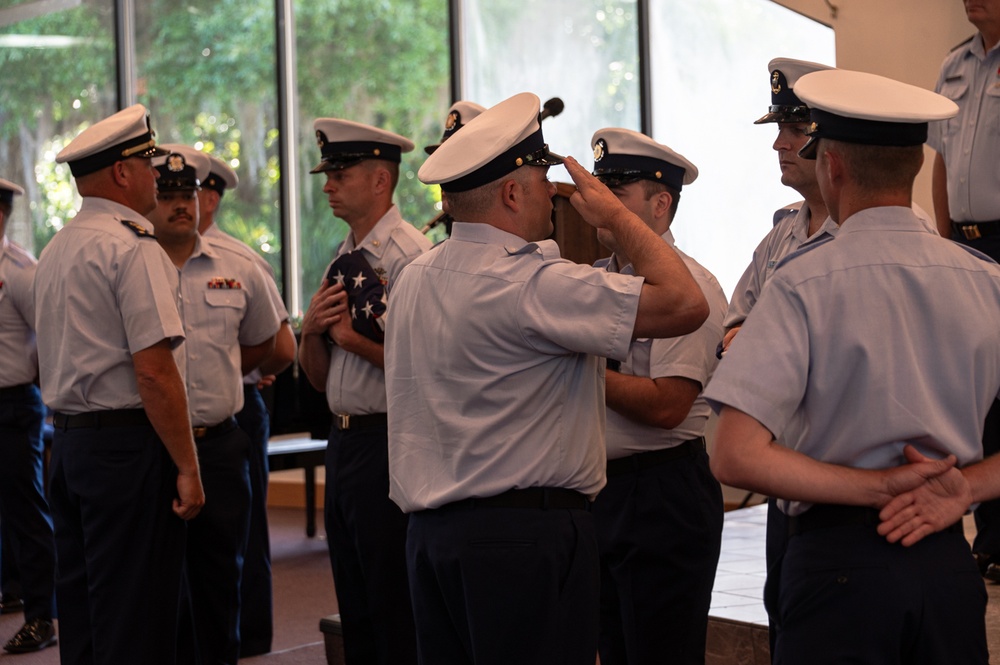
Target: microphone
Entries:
(551, 109)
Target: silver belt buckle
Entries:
(343, 420)
(971, 232)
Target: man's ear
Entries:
(834, 165)
(661, 206)
(120, 172)
(382, 180)
(511, 194)
(211, 201)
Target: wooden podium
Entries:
(576, 238)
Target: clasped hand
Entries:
(923, 496)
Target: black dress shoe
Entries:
(992, 573)
(10, 604)
(33, 636)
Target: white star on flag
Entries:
(368, 310)
(339, 277)
(359, 280)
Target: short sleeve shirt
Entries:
(969, 143)
(864, 344)
(104, 290)
(790, 232)
(224, 303)
(353, 385)
(218, 236)
(690, 356)
(495, 354)
(18, 355)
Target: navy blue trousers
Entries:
(366, 533)
(494, 586)
(216, 544)
(257, 612)
(845, 595)
(660, 532)
(119, 546)
(24, 511)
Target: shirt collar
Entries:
(378, 238)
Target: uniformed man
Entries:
(124, 473)
(496, 427)
(229, 325)
(659, 518)
(795, 225)
(859, 348)
(24, 510)
(966, 189)
(257, 612)
(460, 113)
(365, 530)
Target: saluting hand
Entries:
(592, 199)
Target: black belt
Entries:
(828, 516)
(976, 230)
(98, 419)
(344, 421)
(542, 498)
(639, 461)
(225, 427)
(11, 392)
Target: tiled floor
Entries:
(739, 582)
(737, 627)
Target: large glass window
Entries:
(708, 65)
(583, 51)
(58, 64)
(380, 63)
(207, 73)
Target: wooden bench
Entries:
(298, 451)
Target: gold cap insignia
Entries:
(320, 139)
(775, 85)
(599, 149)
(175, 163)
(452, 120)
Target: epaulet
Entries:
(962, 43)
(138, 229)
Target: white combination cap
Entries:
(785, 104)
(459, 114)
(344, 143)
(183, 167)
(858, 107)
(622, 156)
(497, 141)
(120, 136)
(9, 190)
(221, 177)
